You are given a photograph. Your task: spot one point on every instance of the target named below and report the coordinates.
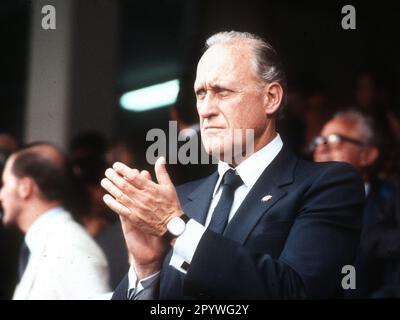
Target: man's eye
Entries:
(223, 92)
(200, 93)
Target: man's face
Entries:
(229, 96)
(9, 197)
(343, 151)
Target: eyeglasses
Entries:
(334, 139)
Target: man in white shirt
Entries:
(59, 260)
(266, 225)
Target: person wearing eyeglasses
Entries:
(351, 137)
(348, 137)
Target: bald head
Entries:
(47, 151)
(46, 165)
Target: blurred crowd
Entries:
(363, 130)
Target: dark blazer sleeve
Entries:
(323, 238)
(381, 240)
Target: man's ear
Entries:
(369, 156)
(26, 187)
(273, 94)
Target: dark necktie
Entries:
(230, 182)
(23, 259)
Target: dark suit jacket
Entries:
(292, 246)
(378, 228)
(381, 245)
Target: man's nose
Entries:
(320, 152)
(208, 106)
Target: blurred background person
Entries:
(111, 239)
(121, 149)
(90, 153)
(58, 259)
(351, 137)
(189, 129)
(87, 153)
(348, 137)
(291, 125)
(8, 143)
(374, 95)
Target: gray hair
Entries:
(266, 62)
(364, 123)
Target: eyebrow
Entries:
(213, 87)
(220, 88)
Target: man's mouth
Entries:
(210, 128)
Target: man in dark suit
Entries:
(265, 225)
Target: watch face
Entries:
(176, 226)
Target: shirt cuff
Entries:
(186, 245)
(135, 287)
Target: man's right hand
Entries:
(147, 250)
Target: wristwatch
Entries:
(176, 226)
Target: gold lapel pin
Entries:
(266, 198)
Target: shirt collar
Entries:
(252, 168)
(35, 237)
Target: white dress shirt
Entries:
(249, 171)
(136, 287)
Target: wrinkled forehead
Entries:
(225, 60)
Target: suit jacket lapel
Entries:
(201, 198)
(196, 207)
(277, 174)
(121, 291)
